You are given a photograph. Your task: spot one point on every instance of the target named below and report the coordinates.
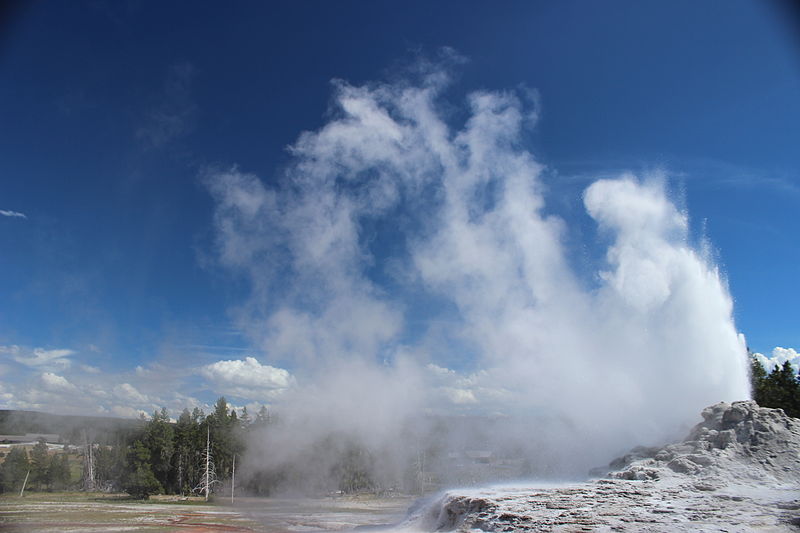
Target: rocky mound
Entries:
(739, 442)
(738, 470)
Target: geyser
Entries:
(404, 268)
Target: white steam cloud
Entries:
(391, 217)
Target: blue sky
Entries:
(115, 114)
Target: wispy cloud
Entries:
(171, 116)
(39, 357)
(12, 214)
(700, 171)
(724, 174)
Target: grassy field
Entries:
(76, 511)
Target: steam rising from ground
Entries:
(403, 265)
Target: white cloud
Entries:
(39, 357)
(480, 389)
(247, 378)
(55, 383)
(779, 357)
(129, 393)
(5, 396)
(12, 214)
(89, 369)
(460, 396)
(47, 381)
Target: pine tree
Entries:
(244, 420)
(779, 388)
(59, 472)
(758, 376)
(262, 417)
(185, 430)
(158, 439)
(783, 390)
(221, 424)
(139, 480)
(40, 465)
(14, 469)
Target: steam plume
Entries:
(405, 264)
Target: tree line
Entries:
(158, 456)
(778, 388)
(39, 470)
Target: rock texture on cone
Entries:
(737, 471)
(735, 443)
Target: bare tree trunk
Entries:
(233, 477)
(421, 473)
(24, 483)
(209, 475)
(208, 460)
(88, 466)
(180, 473)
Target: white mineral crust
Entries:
(738, 470)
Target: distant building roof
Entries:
(31, 437)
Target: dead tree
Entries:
(209, 476)
(88, 465)
(233, 477)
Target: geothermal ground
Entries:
(738, 470)
(90, 512)
(617, 505)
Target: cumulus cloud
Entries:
(779, 357)
(47, 380)
(55, 383)
(12, 214)
(247, 378)
(390, 184)
(129, 393)
(39, 357)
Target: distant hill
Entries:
(72, 429)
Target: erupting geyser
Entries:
(406, 264)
